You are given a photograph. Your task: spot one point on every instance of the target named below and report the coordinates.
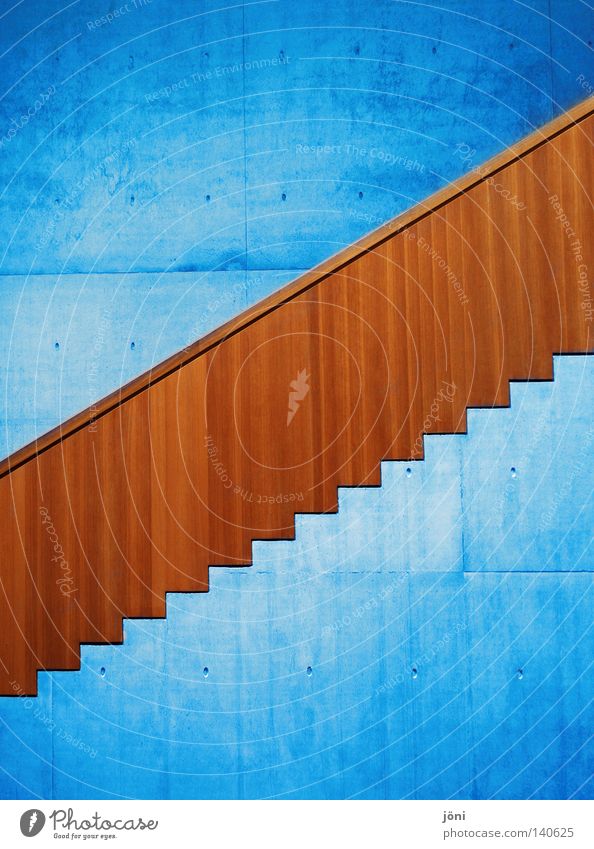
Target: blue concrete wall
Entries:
(378, 655)
(236, 145)
(176, 164)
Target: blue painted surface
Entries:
(166, 139)
(183, 162)
(539, 500)
(428, 679)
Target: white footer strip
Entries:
(299, 824)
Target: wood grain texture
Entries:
(308, 392)
(369, 242)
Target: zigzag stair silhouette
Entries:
(398, 336)
(323, 541)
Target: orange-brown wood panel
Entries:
(310, 392)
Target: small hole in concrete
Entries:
(283, 196)
(514, 472)
(415, 672)
(408, 472)
(102, 672)
(205, 671)
(520, 674)
(56, 345)
(309, 671)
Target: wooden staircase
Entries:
(348, 365)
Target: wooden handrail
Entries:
(301, 284)
(310, 390)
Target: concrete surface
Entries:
(378, 655)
